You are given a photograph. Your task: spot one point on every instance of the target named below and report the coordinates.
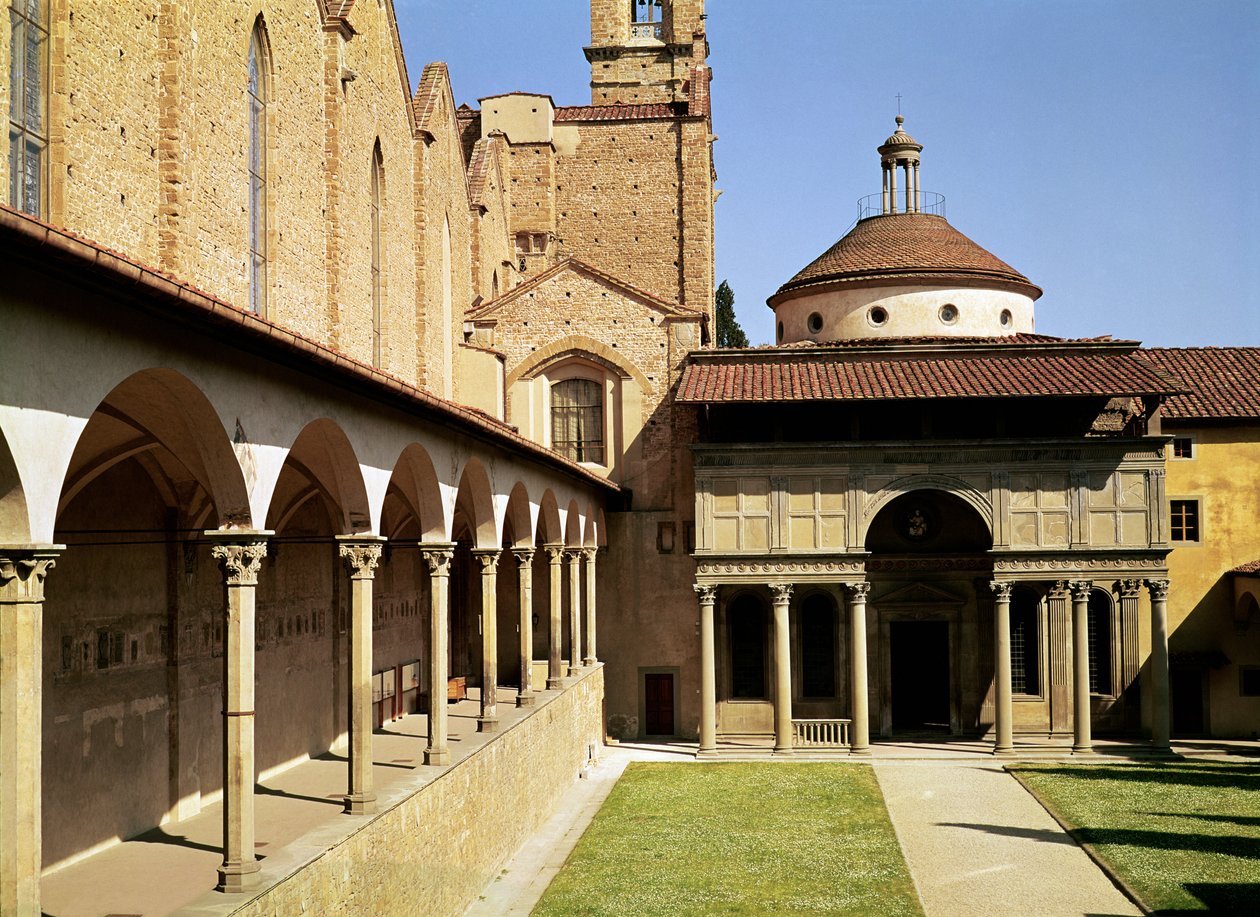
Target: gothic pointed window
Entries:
(378, 181)
(258, 93)
(577, 419)
(28, 106)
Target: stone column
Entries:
(782, 670)
(555, 669)
(1003, 727)
(438, 557)
(488, 721)
(239, 555)
(589, 659)
(892, 187)
(859, 688)
(525, 597)
(708, 672)
(575, 612)
(22, 572)
(1161, 725)
(361, 556)
(1082, 743)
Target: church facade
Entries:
(327, 399)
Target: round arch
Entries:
(15, 522)
(160, 409)
(573, 525)
(937, 494)
(414, 493)
(322, 463)
(517, 518)
(474, 499)
(549, 530)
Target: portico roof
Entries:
(1002, 370)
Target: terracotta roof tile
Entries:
(1251, 568)
(621, 112)
(905, 244)
(835, 376)
(1224, 382)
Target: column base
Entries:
(360, 803)
(575, 671)
(707, 752)
(527, 699)
(487, 724)
(860, 751)
(439, 757)
(554, 683)
(1082, 749)
(237, 877)
(782, 752)
(588, 662)
(1004, 751)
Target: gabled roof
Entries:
(1223, 382)
(433, 80)
(484, 311)
(995, 370)
(902, 245)
(485, 157)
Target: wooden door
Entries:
(658, 691)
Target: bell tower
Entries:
(642, 51)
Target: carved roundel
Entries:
(918, 522)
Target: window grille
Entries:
(1025, 648)
(1099, 638)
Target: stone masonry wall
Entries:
(618, 198)
(434, 851)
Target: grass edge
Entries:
(1089, 849)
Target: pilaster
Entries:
(1130, 652)
(361, 556)
(1060, 647)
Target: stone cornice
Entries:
(941, 455)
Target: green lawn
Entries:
(1184, 836)
(737, 839)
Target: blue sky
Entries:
(1105, 148)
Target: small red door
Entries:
(658, 692)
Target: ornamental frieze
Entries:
(1081, 563)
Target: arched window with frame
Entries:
(378, 184)
(577, 419)
(259, 93)
(646, 10)
(28, 106)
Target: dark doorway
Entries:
(920, 675)
(658, 704)
(1186, 687)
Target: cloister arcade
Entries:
(211, 573)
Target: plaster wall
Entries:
(1222, 476)
(912, 311)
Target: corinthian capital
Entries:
(524, 556)
(782, 593)
(1080, 589)
(707, 592)
(438, 557)
(22, 574)
(1001, 590)
(489, 558)
(361, 557)
(858, 591)
(1158, 589)
(240, 561)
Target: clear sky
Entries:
(1105, 148)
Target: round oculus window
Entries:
(949, 313)
(877, 316)
(814, 323)
(1006, 318)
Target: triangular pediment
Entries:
(556, 274)
(919, 594)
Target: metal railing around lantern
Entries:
(873, 204)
